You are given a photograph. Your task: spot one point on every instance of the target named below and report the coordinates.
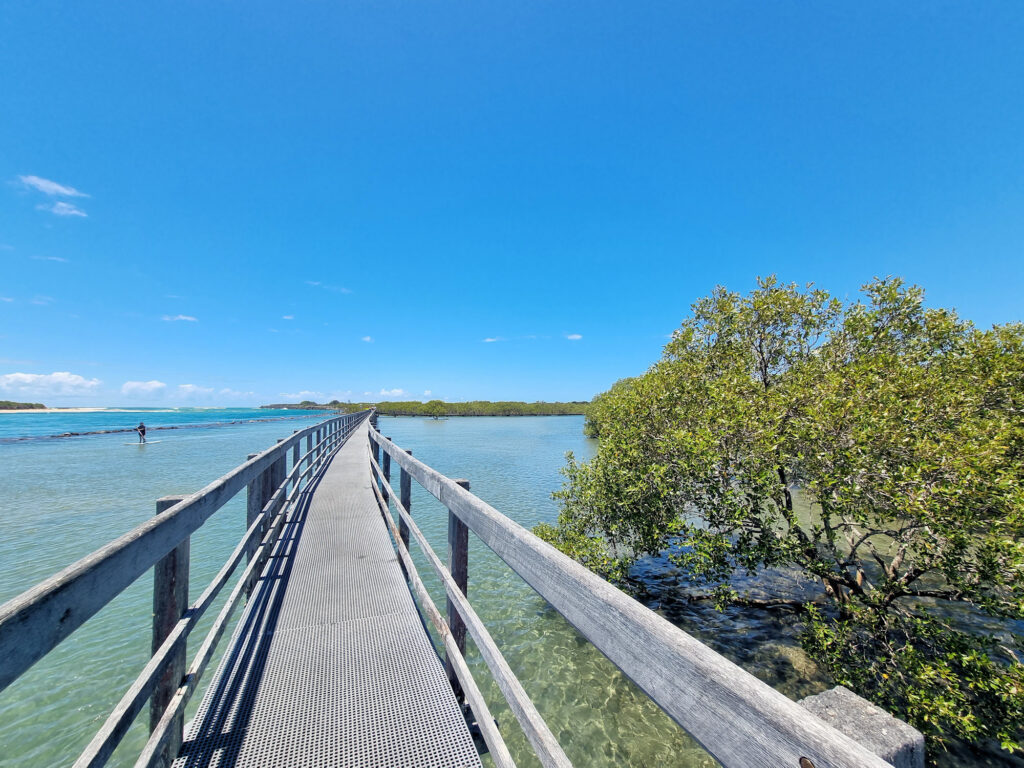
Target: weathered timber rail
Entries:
(329, 617)
(737, 718)
(35, 622)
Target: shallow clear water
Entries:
(60, 500)
(63, 498)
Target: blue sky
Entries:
(226, 203)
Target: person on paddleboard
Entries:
(141, 429)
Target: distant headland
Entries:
(10, 405)
(438, 408)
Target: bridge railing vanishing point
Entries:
(737, 718)
(36, 621)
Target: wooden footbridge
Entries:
(330, 663)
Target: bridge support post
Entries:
(458, 565)
(296, 450)
(170, 601)
(405, 494)
(386, 468)
(279, 471)
(258, 493)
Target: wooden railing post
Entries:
(405, 492)
(386, 468)
(258, 493)
(458, 566)
(279, 470)
(170, 601)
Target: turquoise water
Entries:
(70, 424)
(63, 498)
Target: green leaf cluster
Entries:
(903, 424)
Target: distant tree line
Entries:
(10, 405)
(438, 408)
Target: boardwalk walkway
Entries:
(330, 664)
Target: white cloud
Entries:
(48, 187)
(63, 209)
(305, 394)
(142, 387)
(175, 318)
(328, 286)
(50, 258)
(492, 339)
(42, 301)
(228, 392)
(426, 393)
(287, 317)
(56, 383)
(573, 336)
(6, 298)
(191, 390)
(395, 393)
(368, 339)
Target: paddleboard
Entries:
(148, 442)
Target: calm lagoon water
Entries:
(63, 498)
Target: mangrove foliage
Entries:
(902, 424)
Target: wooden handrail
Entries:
(36, 621)
(740, 720)
(536, 730)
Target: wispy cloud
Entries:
(176, 318)
(142, 387)
(234, 393)
(328, 286)
(191, 390)
(305, 394)
(391, 394)
(43, 301)
(427, 393)
(573, 336)
(43, 384)
(48, 187)
(368, 339)
(62, 209)
(287, 317)
(51, 258)
(6, 298)
(492, 339)
(6, 247)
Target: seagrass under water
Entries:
(330, 664)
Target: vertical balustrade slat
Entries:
(386, 469)
(257, 496)
(405, 492)
(279, 471)
(458, 566)
(170, 601)
(295, 460)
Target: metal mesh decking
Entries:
(330, 664)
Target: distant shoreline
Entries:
(53, 410)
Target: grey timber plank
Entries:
(330, 664)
